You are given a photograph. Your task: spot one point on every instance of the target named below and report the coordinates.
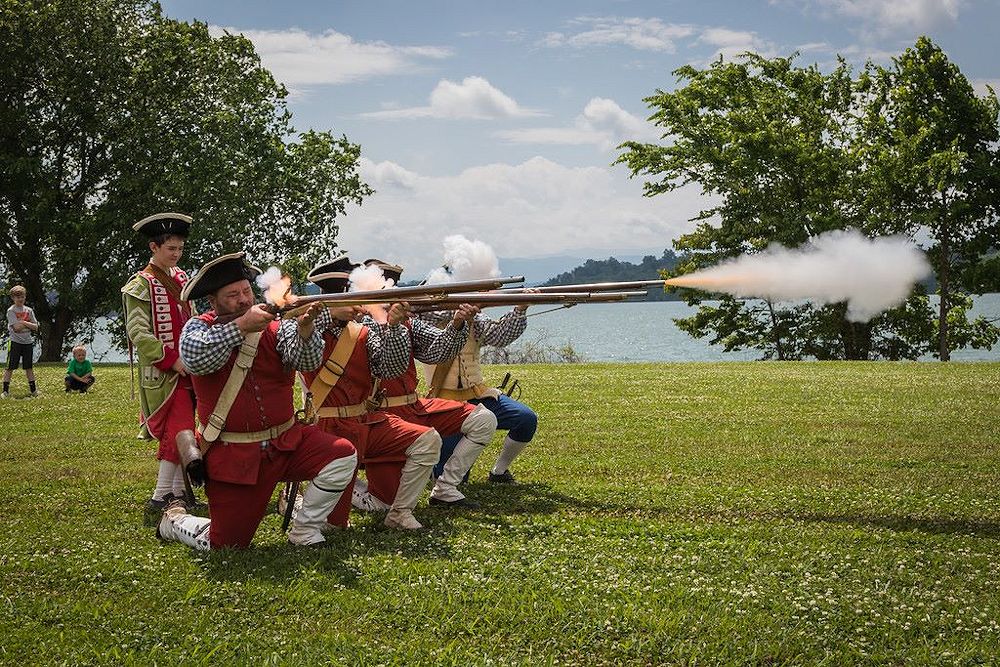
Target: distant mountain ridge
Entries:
(537, 270)
(615, 270)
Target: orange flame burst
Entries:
(700, 280)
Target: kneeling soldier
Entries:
(243, 365)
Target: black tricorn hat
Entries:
(332, 277)
(218, 273)
(176, 224)
(391, 271)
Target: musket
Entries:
(503, 298)
(299, 304)
(589, 287)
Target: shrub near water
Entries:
(734, 513)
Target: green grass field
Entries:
(738, 513)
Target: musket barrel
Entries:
(501, 298)
(393, 294)
(590, 287)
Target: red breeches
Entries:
(237, 509)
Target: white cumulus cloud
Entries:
(644, 34)
(603, 123)
(299, 58)
(473, 98)
(731, 43)
(532, 209)
(884, 17)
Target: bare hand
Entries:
(465, 312)
(524, 307)
(19, 326)
(347, 313)
(306, 321)
(178, 367)
(255, 319)
(398, 312)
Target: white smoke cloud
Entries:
(368, 278)
(465, 260)
(871, 275)
(269, 277)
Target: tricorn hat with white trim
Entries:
(218, 273)
(333, 277)
(390, 271)
(176, 224)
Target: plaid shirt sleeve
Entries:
(502, 332)
(388, 349)
(432, 345)
(302, 354)
(205, 349)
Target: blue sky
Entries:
(498, 120)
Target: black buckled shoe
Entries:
(461, 503)
(154, 505)
(503, 478)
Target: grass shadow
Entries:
(934, 526)
(498, 501)
(335, 558)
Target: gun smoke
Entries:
(275, 285)
(465, 259)
(871, 275)
(369, 278)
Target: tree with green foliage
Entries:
(783, 154)
(110, 111)
(931, 144)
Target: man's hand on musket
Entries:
(255, 319)
(307, 320)
(524, 307)
(398, 312)
(178, 367)
(347, 313)
(465, 312)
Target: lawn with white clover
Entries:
(734, 513)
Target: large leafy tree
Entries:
(784, 154)
(110, 111)
(931, 144)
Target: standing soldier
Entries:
(155, 314)
(242, 364)
(472, 426)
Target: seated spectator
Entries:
(79, 372)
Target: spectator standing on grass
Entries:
(155, 314)
(79, 372)
(21, 325)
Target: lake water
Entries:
(635, 332)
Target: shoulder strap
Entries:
(441, 371)
(333, 368)
(244, 360)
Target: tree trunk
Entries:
(857, 339)
(53, 333)
(944, 353)
(777, 335)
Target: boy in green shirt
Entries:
(79, 372)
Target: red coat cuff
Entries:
(170, 355)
